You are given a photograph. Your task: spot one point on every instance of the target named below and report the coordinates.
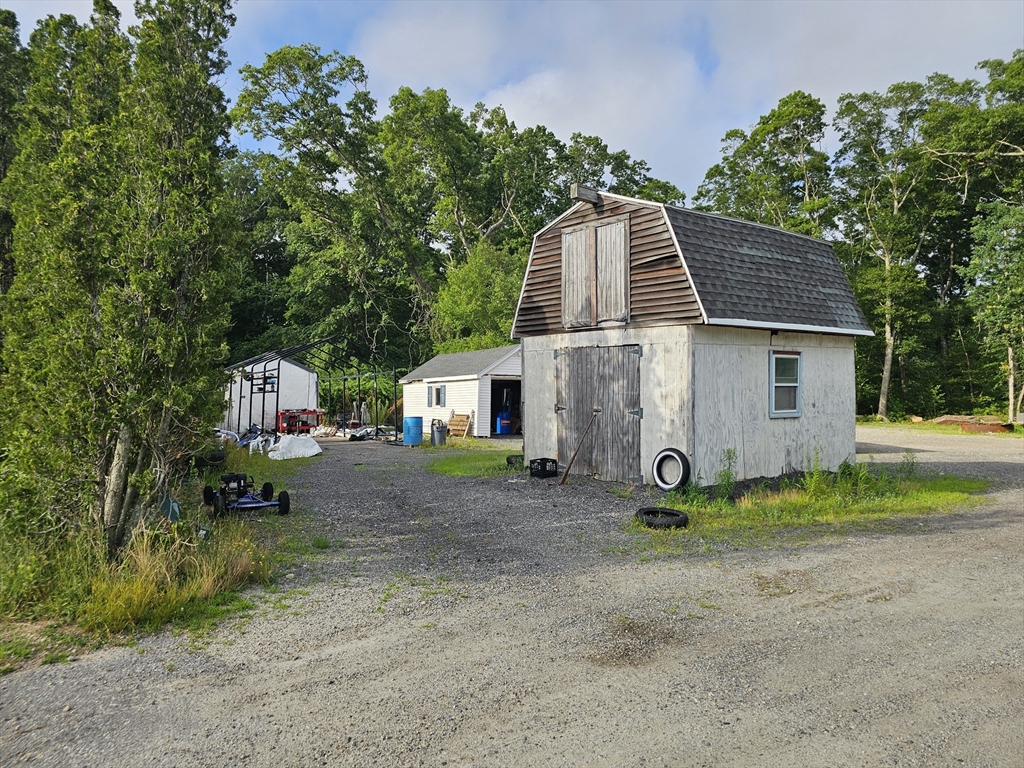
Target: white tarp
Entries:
(294, 447)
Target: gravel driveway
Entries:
(497, 623)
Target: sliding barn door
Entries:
(607, 378)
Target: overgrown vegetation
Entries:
(856, 496)
(188, 574)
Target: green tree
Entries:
(995, 277)
(116, 314)
(14, 65)
(476, 305)
(257, 274)
(777, 174)
(891, 200)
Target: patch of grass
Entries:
(941, 429)
(623, 491)
(453, 443)
(855, 497)
(473, 464)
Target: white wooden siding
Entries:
(460, 396)
(509, 369)
(482, 421)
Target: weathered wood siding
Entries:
(659, 291)
(663, 393)
(598, 410)
(731, 391)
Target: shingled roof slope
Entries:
(756, 274)
(459, 364)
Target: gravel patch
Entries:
(499, 622)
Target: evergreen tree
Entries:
(116, 315)
(14, 65)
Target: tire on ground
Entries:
(220, 505)
(661, 517)
(267, 492)
(671, 469)
(208, 495)
(284, 503)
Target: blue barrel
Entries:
(503, 424)
(412, 430)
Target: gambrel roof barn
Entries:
(684, 331)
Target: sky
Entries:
(662, 80)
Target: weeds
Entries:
(853, 496)
(725, 478)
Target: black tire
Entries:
(208, 495)
(515, 460)
(284, 503)
(220, 506)
(671, 469)
(267, 493)
(660, 517)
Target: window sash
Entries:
(785, 384)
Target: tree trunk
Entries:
(1013, 383)
(883, 391)
(116, 485)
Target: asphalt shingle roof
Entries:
(746, 271)
(459, 364)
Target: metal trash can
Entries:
(438, 432)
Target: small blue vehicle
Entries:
(236, 494)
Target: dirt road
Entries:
(496, 623)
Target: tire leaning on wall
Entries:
(671, 469)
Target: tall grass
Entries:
(855, 494)
(165, 573)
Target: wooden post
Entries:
(578, 446)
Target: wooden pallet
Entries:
(459, 423)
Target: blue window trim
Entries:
(441, 395)
(772, 413)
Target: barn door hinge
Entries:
(638, 412)
(639, 479)
(561, 353)
(638, 351)
(559, 408)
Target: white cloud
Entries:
(662, 80)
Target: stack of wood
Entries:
(460, 423)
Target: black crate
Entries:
(543, 468)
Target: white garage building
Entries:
(480, 384)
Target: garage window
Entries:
(436, 396)
(784, 373)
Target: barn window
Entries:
(595, 273)
(436, 396)
(784, 373)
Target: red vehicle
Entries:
(298, 422)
